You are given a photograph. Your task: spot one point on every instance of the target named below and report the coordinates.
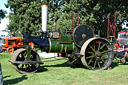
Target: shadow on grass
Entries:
(41, 69)
(123, 63)
(14, 81)
(6, 77)
(65, 64)
(114, 64)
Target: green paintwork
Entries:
(28, 52)
(65, 39)
(55, 46)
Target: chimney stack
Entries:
(44, 8)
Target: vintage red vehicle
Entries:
(10, 44)
(121, 46)
(13, 43)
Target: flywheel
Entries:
(81, 34)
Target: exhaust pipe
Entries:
(44, 8)
(44, 17)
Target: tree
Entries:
(2, 14)
(26, 14)
(92, 12)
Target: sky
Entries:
(4, 21)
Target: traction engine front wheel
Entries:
(20, 57)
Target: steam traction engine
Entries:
(81, 47)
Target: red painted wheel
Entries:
(10, 50)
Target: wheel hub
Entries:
(98, 54)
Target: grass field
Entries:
(61, 73)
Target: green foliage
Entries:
(2, 14)
(26, 14)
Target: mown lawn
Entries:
(61, 73)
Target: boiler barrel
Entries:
(55, 46)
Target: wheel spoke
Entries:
(19, 58)
(95, 64)
(102, 60)
(98, 64)
(23, 55)
(102, 46)
(105, 51)
(90, 57)
(29, 67)
(104, 56)
(92, 48)
(90, 61)
(89, 52)
(21, 67)
(99, 46)
(26, 67)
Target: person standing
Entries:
(1, 77)
(1, 50)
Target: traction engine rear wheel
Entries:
(10, 50)
(21, 55)
(97, 54)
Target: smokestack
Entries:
(44, 8)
